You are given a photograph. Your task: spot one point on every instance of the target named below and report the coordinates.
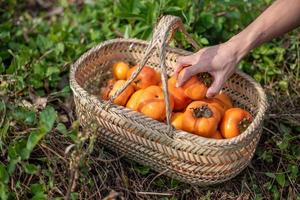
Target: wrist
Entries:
(241, 46)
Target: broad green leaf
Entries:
(43, 43)
(39, 196)
(13, 66)
(4, 177)
(204, 41)
(19, 60)
(2, 107)
(3, 191)
(280, 178)
(275, 192)
(63, 3)
(5, 35)
(39, 69)
(52, 70)
(160, 182)
(37, 188)
(267, 156)
(283, 84)
(271, 175)
(21, 150)
(12, 165)
(65, 92)
(207, 20)
(47, 118)
(74, 196)
(3, 135)
(36, 81)
(174, 183)
(31, 168)
(33, 139)
(23, 115)
(62, 128)
(38, 191)
(12, 153)
(293, 171)
(60, 47)
(269, 184)
(283, 144)
(141, 169)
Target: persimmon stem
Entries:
(206, 78)
(202, 111)
(243, 124)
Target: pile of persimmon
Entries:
(191, 111)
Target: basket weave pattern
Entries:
(181, 155)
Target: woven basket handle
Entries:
(163, 34)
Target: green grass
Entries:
(44, 153)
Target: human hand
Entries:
(219, 60)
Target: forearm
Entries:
(281, 17)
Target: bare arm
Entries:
(281, 17)
(221, 60)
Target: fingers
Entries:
(178, 69)
(187, 72)
(182, 62)
(216, 86)
(185, 60)
(182, 77)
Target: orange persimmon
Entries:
(217, 135)
(176, 120)
(120, 70)
(217, 103)
(152, 103)
(195, 88)
(234, 122)
(201, 118)
(145, 78)
(104, 91)
(124, 96)
(225, 99)
(134, 100)
(180, 99)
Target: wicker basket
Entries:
(175, 153)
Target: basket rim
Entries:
(179, 134)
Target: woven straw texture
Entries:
(175, 153)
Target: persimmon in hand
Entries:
(194, 87)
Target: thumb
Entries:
(215, 86)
